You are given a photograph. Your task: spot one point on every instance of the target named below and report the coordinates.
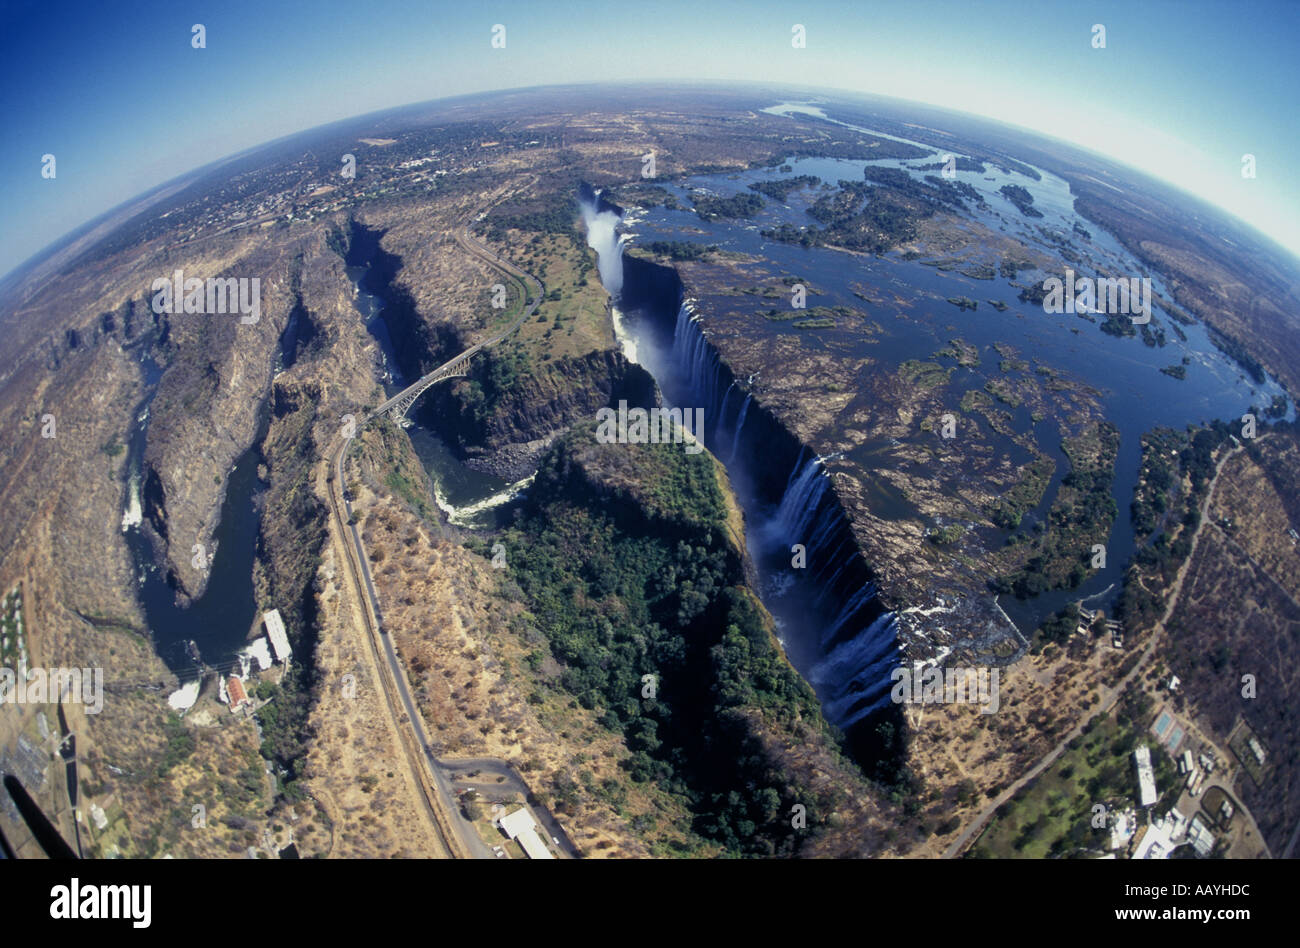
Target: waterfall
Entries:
(698, 366)
(604, 238)
(833, 560)
(799, 505)
(854, 604)
(625, 339)
(699, 369)
(850, 708)
(722, 411)
(132, 516)
(740, 426)
(851, 643)
(852, 679)
(857, 669)
(690, 348)
(824, 526)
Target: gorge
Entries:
(834, 627)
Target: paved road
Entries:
(431, 793)
(1108, 696)
(432, 776)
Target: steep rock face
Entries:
(422, 335)
(642, 489)
(216, 378)
(87, 330)
(308, 407)
(77, 367)
(587, 194)
(513, 405)
(329, 379)
(848, 601)
(524, 418)
(768, 449)
(63, 492)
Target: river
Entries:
(469, 498)
(839, 639)
(217, 622)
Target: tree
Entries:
(472, 806)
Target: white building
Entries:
(1177, 825)
(1162, 837)
(1146, 776)
(1256, 749)
(1200, 837)
(275, 632)
(520, 826)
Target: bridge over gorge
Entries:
(451, 835)
(401, 403)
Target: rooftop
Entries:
(521, 826)
(1146, 776)
(275, 631)
(235, 688)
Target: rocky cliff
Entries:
(503, 427)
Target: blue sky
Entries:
(116, 92)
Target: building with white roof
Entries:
(1200, 837)
(1146, 776)
(1162, 837)
(521, 826)
(1257, 749)
(1152, 845)
(275, 632)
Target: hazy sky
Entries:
(117, 94)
